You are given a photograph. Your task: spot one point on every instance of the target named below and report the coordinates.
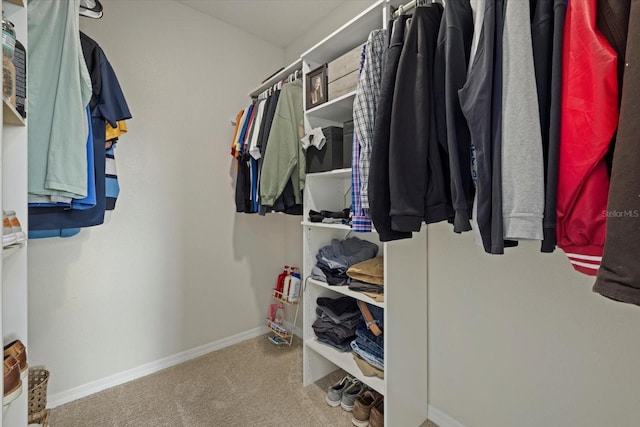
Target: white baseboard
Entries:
(298, 332)
(150, 368)
(442, 419)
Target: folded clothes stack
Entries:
(337, 321)
(329, 217)
(334, 260)
(368, 277)
(367, 345)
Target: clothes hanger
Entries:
(91, 9)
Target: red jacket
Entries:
(589, 117)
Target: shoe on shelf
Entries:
(362, 407)
(16, 226)
(334, 393)
(376, 419)
(350, 395)
(8, 236)
(19, 352)
(12, 381)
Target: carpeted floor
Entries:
(248, 384)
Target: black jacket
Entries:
(417, 185)
(551, 136)
(451, 64)
(379, 197)
(619, 273)
(481, 102)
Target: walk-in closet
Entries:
(320, 213)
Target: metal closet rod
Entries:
(411, 5)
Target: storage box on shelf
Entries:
(330, 157)
(405, 281)
(342, 73)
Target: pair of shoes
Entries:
(376, 419)
(12, 381)
(363, 406)
(19, 352)
(12, 233)
(344, 393)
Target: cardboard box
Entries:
(343, 85)
(347, 63)
(330, 157)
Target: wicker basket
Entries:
(38, 380)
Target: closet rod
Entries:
(411, 5)
(403, 8)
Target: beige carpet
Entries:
(249, 384)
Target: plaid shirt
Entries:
(365, 104)
(360, 220)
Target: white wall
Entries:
(175, 267)
(321, 29)
(521, 340)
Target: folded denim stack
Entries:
(337, 322)
(367, 345)
(334, 260)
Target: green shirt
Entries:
(58, 93)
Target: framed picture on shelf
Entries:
(316, 87)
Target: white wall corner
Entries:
(442, 419)
(149, 368)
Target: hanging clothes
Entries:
(451, 63)
(243, 177)
(379, 197)
(284, 156)
(57, 126)
(417, 179)
(548, 35)
(588, 122)
(522, 160)
(111, 108)
(112, 187)
(364, 109)
(481, 102)
(361, 222)
(619, 275)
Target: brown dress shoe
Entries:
(362, 407)
(376, 419)
(12, 381)
(19, 351)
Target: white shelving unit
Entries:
(14, 197)
(405, 321)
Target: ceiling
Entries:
(277, 21)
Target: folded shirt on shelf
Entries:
(356, 285)
(339, 308)
(336, 332)
(335, 259)
(369, 271)
(344, 347)
(315, 216)
(367, 369)
(326, 314)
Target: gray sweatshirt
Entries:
(522, 161)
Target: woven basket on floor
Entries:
(38, 379)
